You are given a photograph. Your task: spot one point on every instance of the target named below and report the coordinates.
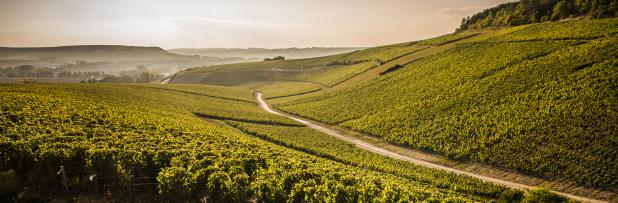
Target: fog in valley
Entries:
(113, 63)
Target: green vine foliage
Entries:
(122, 131)
(534, 98)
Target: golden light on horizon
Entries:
(193, 23)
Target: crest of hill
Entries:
(290, 53)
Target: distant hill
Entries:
(535, 11)
(91, 53)
(107, 58)
(290, 53)
(116, 58)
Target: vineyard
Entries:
(326, 71)
(550, 87)
(334, 74)
(284, 89)
(123, 134)
(534, 101)
(322, 145)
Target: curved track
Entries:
(378, 150)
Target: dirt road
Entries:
(166, 80)
(375, 149)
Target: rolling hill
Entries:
(104, 58)
(115, 58)
(537, 98)
(260, 53)
(114, 53)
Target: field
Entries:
(123, 133)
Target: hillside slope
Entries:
(327, 71)
(538, 98)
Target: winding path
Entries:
(166, 81)
(375, 149)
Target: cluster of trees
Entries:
(30, 71)
(83, 64)
(276, 58)
(536, 11)
(144, 77)
(140, 74)
(80, 74)
(26, 71)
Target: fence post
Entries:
(63, 175)
(131, 188)
(95, 181)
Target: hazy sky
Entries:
(229, 23)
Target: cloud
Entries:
(231, 26)
(218, 32)
(459, 12)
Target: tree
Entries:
(536, 11)
(560, 10)
(276, 58)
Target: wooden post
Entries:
(95, 181)
(131, 189)
(63, 175)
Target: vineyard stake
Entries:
(131, 189)
(63, 175)
(95, 180)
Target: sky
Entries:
(229, 23)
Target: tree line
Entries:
(139, 74)
(29, 71)
(537, 11)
